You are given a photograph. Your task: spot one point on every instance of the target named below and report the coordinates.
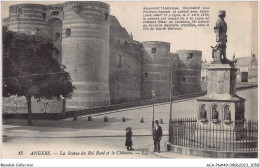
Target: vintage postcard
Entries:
(130, 80)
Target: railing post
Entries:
(256, 134)
(216, 138)
(178, 131)
(226, 138)
(230, 137)
(243, 130)
(197, 134)
(249, 137)
(194, 133)
(200, 135)
(233, 138)
(189, 130)
(213, 136)
(246, 136)
(210, 135)
(206, 136)
(203, 135)
(183, 130)
(223, 136)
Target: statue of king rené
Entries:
(221, 37)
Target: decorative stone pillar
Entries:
(221, 105)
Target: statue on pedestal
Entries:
(203, 112)
(214, 113)
(227, 113)
(219, 51)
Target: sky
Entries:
(238, 19)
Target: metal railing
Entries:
(218, 137)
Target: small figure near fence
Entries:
(157, 135)
(128, 141)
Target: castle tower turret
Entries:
(85, 49)
(189, 71)
(27, 18)
(155, 69)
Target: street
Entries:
(103, 138)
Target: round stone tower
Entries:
(189, 71)
(85, 49)
(155, 69)
(28, 19)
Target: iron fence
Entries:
(242, 136)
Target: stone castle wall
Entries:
(85, 48)
(155, 69)
(106, 65)
(124, 65)
(27, 18)
(189, 71)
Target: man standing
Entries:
(157, 135)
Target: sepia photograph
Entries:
(131, 80)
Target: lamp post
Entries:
(171, 86)
(153, 96)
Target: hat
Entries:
(222, 13)
(156, 121)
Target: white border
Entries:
(129, 162)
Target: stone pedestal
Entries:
(221, 106)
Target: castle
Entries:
(106, 65)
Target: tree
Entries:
(30, 70)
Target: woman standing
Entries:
(128, 142)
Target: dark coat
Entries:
(128, 141)
(157, 134)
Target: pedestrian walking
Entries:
(128, 141)
(157, 135)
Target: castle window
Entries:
(55, 13)
(184, 80)
(44, 16)
(189, 56)
(119, 61)
(57, 36)
(145, 76)
(154, 50)
(68, 32)
(106, 16)
(20, 12)
(35, 31)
